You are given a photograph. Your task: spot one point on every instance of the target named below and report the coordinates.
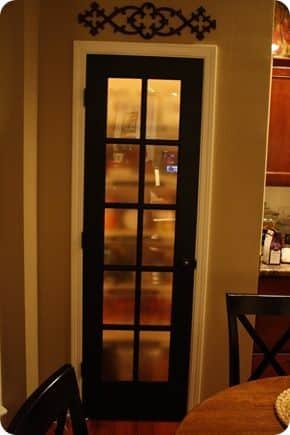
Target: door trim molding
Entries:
(209, 54)
(30, 200)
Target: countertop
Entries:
(270, 270)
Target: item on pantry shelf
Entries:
(270, 218)
(272, 247)
(283, 224)
(285, 255)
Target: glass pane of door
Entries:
(163, 109)
(158, 237)
(156, 298)
(119, 297)
(123, 115)
(117, 356)
(122, 169)
(161, 174)
(120, 236)
(154, 356)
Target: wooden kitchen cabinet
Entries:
(270, 328)
(278, 161)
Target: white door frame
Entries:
(209, 54)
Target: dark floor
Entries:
(132, 428)
(100, 427)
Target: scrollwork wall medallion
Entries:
(147, 20)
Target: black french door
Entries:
(142, 140)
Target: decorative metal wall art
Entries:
(146, 20)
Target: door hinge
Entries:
(85, 97)
(83, 241)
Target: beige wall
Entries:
(244, 40)
(11, 199)
(242, 100)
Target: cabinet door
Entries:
(278, 163)
(143, 117)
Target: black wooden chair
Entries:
(49, 403)
(238, 307)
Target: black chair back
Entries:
(238, 307)
(51, 402)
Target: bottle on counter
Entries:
(272, 247)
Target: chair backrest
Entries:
(52, 400)
(238, 307)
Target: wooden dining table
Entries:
(247, 408)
